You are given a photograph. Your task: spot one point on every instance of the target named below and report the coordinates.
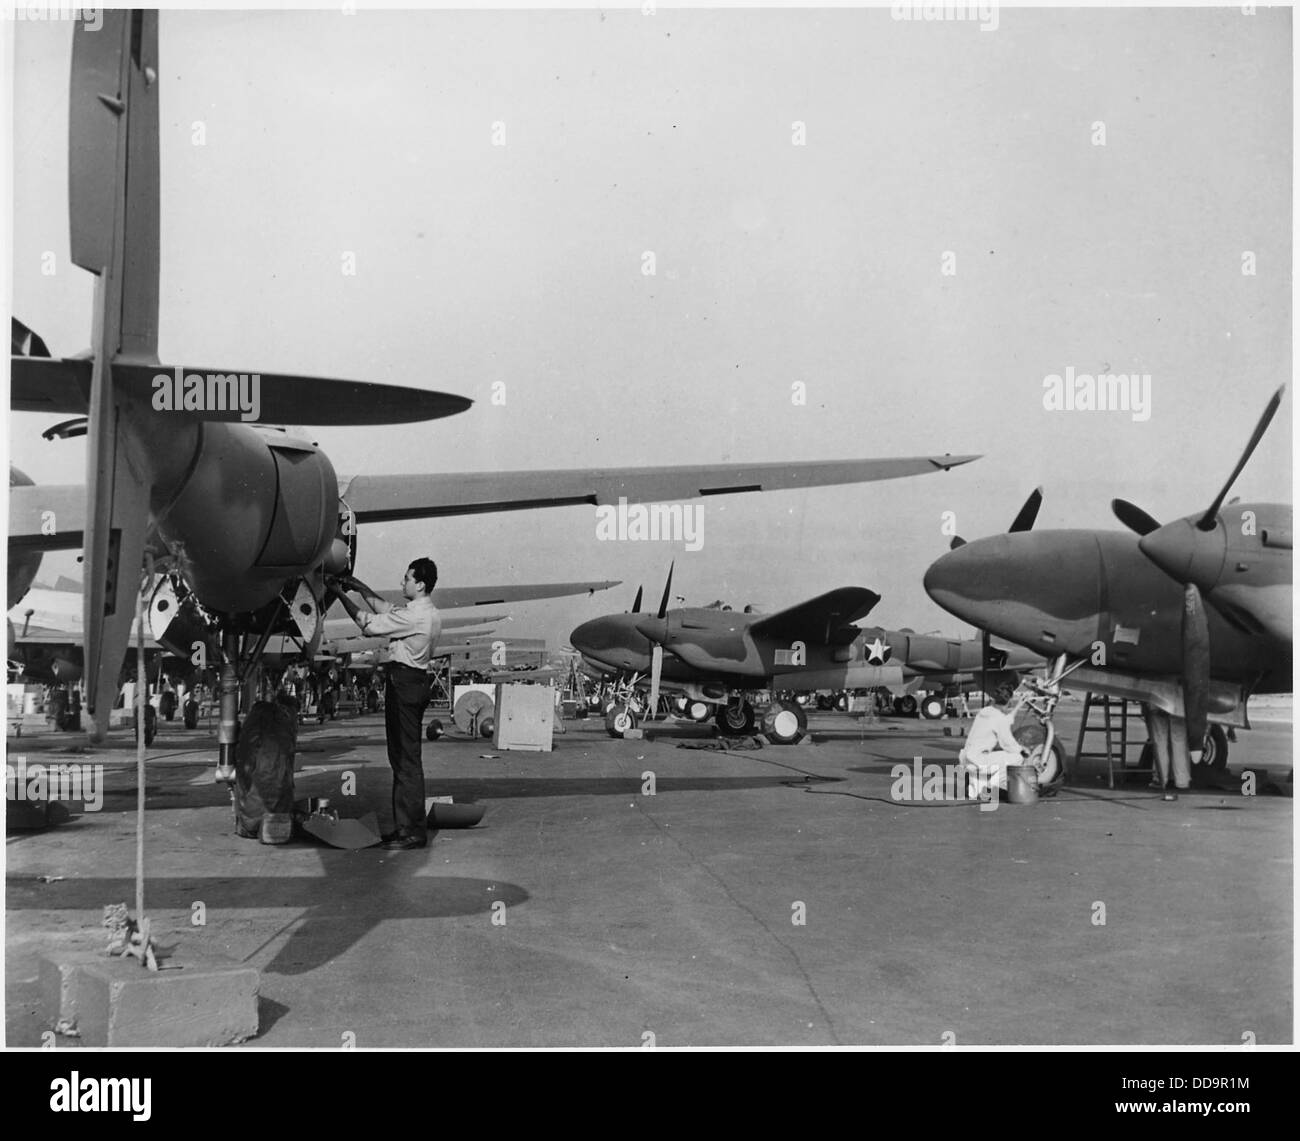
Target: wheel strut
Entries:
(228, 721)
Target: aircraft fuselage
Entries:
(1097, 595)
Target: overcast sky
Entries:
(324, 133)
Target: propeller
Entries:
(1196, 669)
(985, 647)
(1133, 517)
(1028, 513)
(1195, 625)
(668, 588)
(636, 605)
(1207, 521)
(657, 649)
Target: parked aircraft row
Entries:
(236, 524)
(1115, 612)
(721, 657)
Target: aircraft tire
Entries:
(932, 708)
(785, 723)
(1214, 760)
(905, 706)
(733, 722)
(619, 721)
(1051, 771)
(434, 730)
(699, 711)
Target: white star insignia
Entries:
(877, 652)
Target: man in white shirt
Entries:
(990, 744)
(412, 631)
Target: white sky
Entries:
(476, 263)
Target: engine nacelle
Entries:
(277, 515)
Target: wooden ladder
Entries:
(1116, 713)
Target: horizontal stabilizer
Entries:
(62, 386)
(827, 618)
(50, 384)
(47, 517)
(381, 498)
(281, 398)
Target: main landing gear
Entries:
(735, 719)
(1214, 758)
(783, 722)
(1046, 753)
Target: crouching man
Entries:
(991, 746)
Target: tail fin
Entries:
(113, 204)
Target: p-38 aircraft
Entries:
(1192, 617)
(240, 520)
(717, 658)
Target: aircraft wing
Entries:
(384, 498)
(827, 617)
(454, 597)
(344, 629)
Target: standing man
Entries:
(412, 631)
(1168, 736)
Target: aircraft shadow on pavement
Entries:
(335, 910)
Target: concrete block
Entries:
(191, 1001)
(58, 977)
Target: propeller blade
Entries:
(656, 667)
(957, 541)
(1196, 669)
(636, 605)
(1207, 521)
(668, 587)
(984, 668)
(1133, 517)
(1024, 521)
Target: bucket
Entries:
(1022, 784)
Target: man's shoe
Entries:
(403, 843)
(386, 836)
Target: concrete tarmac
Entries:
(620, 893)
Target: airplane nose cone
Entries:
(1186, 553)
(612, 640)
(1039, 589)
(591, 637)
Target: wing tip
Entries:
(947, 461)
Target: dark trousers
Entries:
(405, 700)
